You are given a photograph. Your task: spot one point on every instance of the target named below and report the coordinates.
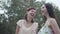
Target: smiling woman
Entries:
(27, 25)
(50, 26)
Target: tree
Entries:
(16, 11)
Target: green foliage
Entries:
(17, 11)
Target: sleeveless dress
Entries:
(25, 30)
(45, 30)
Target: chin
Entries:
(43, 14)
(31, 16)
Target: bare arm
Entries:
(55, 27)
(36, 30)
(17, 29)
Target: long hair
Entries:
(28, 9)
(50, 11)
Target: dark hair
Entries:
(50, 10)
(28, 9)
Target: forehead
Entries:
(32, 10)
(42, 6)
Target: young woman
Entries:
(51, 26)
(27, 25)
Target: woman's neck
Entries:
(47, 16)
(29, 20)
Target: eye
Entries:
(42, 7)
(32, 11)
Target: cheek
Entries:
(35, 13)
(43, 12)
(28, 13)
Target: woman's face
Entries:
(31, 13)
(43, 10)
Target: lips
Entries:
(32, 14)
(42, 11)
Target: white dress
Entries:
(25, 30)
(46, 29)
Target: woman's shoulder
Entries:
(35, 23)
(20, 22)
(52, 19)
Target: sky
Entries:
(56, 2)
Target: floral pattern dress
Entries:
(45, 30)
